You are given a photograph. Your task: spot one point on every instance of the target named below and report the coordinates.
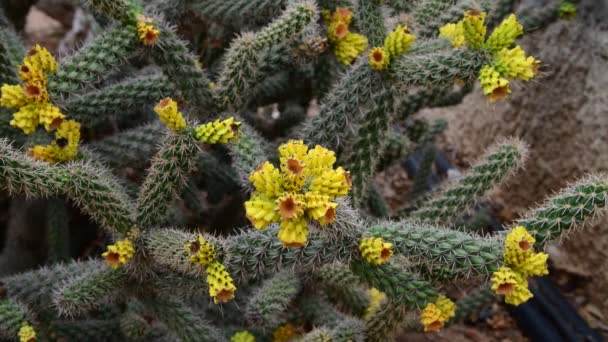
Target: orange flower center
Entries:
(294, 166)
(24, 69)
(225, 296)
(505, 289)
(341, 30)
(150, 37)
(287, 208)
(113, 259)
(378, 56)
(195, 246)
(292, 244)
(435, 326)
(524, 245)
(163, 103)
(386, 253)
(234, 128)
(499, 93)
(56, 123)
(349, 181)
(330, 215)
(32, 52)
(32, 90)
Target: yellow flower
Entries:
(293, 149)
(349, 48)
(494, 86)
(534, 265)
(119, 254)
(474, 28)
(285, 333)
(337, 31)
(398, 41)
(36, 92)
(242, 336)
(378, 59)
(168, 113)
(26, 119)
(446, 306)
(343, 14)
(267, 180)
(146, 32)
(320, 208)
(221, 285)
(218, 132)
(332, 183)
(260, 210)
(41, 58)
(504, 35)
(567, 10)
(200, 251)
(504, 281)
(318, 160)
(27, 333)
(290, 206)
(520, 293)
(294, 233)
(12, 96)
(430, 317)
(30, 73)
(454, 33)
(513, 63)
(376, 297)
(518, 246)
(375, 250)
(50, 116)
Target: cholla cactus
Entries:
(78, 130)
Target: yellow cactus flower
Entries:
(50, 116)
(446, 306)
(518, 246)
(294, 233)
(430, 317)
(379, 59)
(168, 113)
(260, 210)
(221, 285)
(504, 281)
(46, 153)
(294, 149)
(375, 250)
(200, 251)
(119, 254)
(27, 118)
(474, 28)
(504, 35)
(349, 48)
(520, 293)
(218, 132)
(398, 41)
(30, 73)
(285, 333)
(242, 336)
(27, 333)
(567, 10)
(337, 31)
(36, 92)
(266, 179)
(318, 160)
(376, 297)
(494, 86)
(534, 265)
(63, 148)
(513, 63)
(12, 96)
(41, 58)
(290, 206)
(332, 183)
(320, 208)
(454, 32)
(146, 32)
(343, 14)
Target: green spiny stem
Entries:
(376, 204)
(440, 249)
(94, 330)
(183, 286)
(397, 146)
(572, 208)
(342, 286)
(317, 310)
(7, 132)
(121, 10)
(238, 12)
(437, 68)
(132, 147)
(247, 153)
(182, 321)
(318, 334)
(473, 302)
(369, 143)
(384, 321)
(190, 195)
(181, 67)
(166, 248)
(94, 62)
(288, 25)
(399, 284)
(429, 27)
(12, 316)
(349, 330)
(493, 169)
(11, 53)
(58, 231)
(167, 175)
(118, 100)
(218, 177)
(427, 11)
(532, 17)
(424, 172)
(267, 307)
(88, 291)
(370, 21)
(133, 325)
(340, 107)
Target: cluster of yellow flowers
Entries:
(506, 62)
(376, 297)
(521, 262)
(31, 100)
(119, 254)
(396, 43)
(346, 45)
(220, 283)
(146, 32)
(375, 250)
(242, 336)
(27, 333)
(304, 187)
(436, 314)
(216, 132)
(286, 332)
